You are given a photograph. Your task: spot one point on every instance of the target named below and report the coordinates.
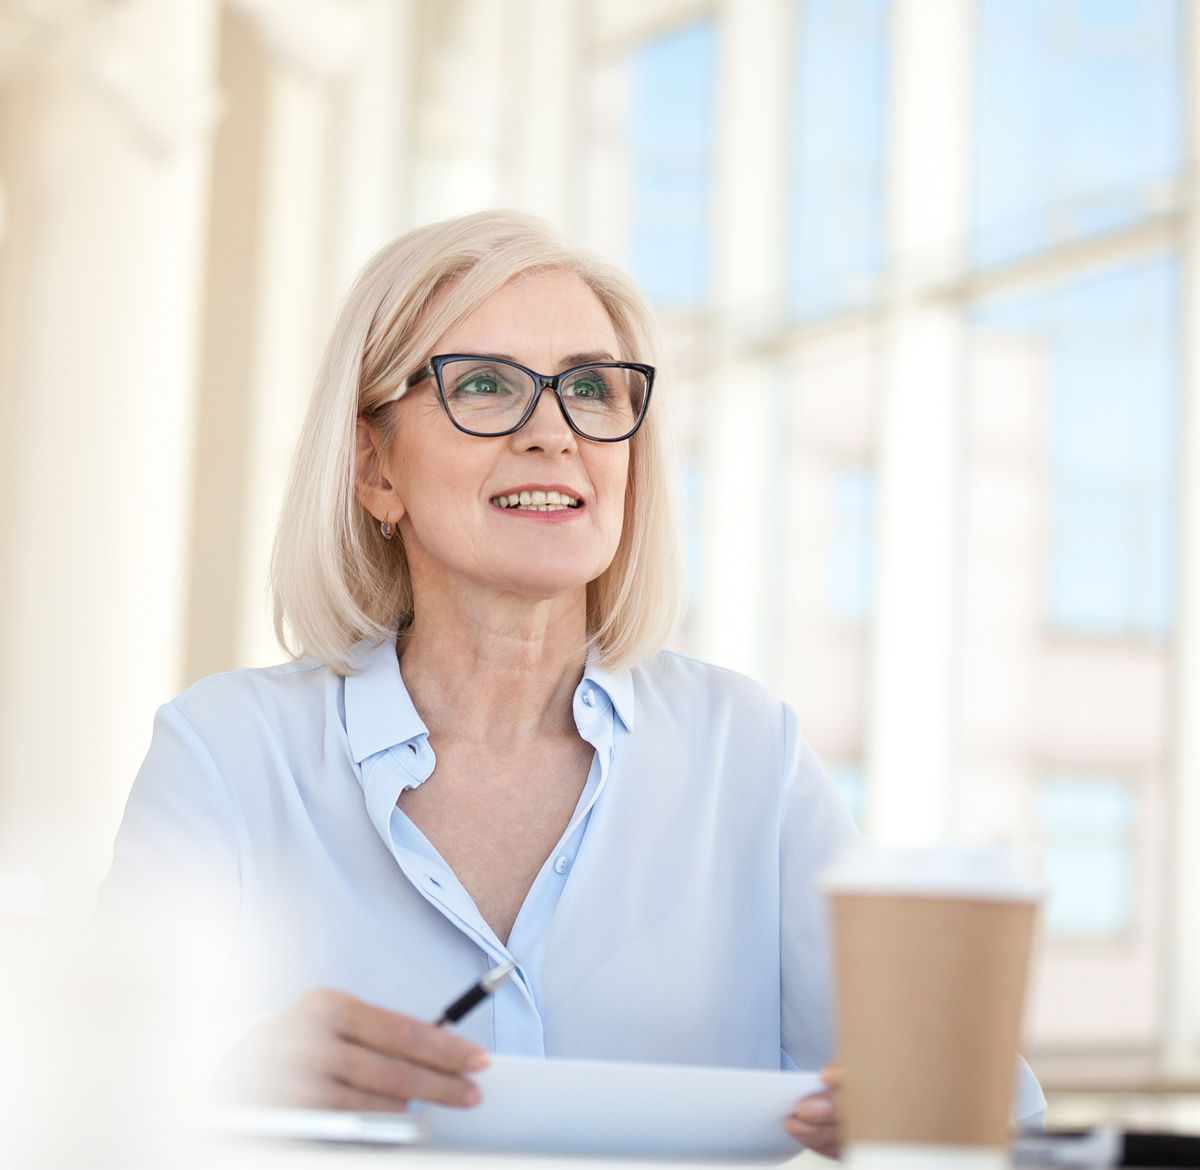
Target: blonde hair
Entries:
(334, 578)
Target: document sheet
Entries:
(606, 1107)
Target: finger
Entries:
(831, 1074)
(823, 1139)
(327, 1094)
(356, 1101)
(815, 1110)
(366, 1070)
(397, 1035)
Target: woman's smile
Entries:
(542, 502)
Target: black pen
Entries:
(475, 994)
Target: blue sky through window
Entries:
(1078, 123)
(839, 103)
(850, 581)
(852, 784)
(672, 119)
(1110, 443)
(1088, 830)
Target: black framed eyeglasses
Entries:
(488, 397)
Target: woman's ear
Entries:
(374, 489)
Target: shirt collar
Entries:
(379, 712)
(616, 684)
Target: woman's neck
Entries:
(506, 675)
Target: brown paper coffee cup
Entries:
(931, 955)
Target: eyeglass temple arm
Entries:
(426, 371)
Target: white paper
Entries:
(607, 1107)
(318, 1125)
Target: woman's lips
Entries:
(537, 500)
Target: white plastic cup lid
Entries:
(992, 873)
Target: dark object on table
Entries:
(1106, 1147)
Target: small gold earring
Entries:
(387, 528)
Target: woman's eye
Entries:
(591, 388)
(479, 384)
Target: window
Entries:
(851, 566)
(1087, 826)
(839, 105)
(1079, 119)
(673, 81)
(1110, 450)
(852, 784)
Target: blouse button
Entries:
(562, 864)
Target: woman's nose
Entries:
(547, 428)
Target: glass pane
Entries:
(1088, 834)
(1084, 809)
(852, 784)
(851, 574)
(1078, 124)
(1104, 352)
(673, 82)
(836, 192)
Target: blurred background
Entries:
(928, 272)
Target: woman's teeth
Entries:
(536, 501)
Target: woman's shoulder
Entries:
(289, 690)
(676, 679)
(677, 667)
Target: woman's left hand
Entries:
(815, 1121)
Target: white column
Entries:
(289, 308)
(317, 167)
(913, 709)
(106, 150)
(463, 135)
(743, 435)
(545, 37)
(1181, 1023)
(755, 62)
(305, 188)
(373, 188)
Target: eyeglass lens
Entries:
(489, 397)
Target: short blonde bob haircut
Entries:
(334, 578)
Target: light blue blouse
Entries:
(676, 920)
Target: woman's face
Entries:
(446, 485)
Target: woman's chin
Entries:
(544, 584)
(536, 590)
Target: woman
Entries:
(481, 754)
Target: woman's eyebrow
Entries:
(583, 359)
(571, 359)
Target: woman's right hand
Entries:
(332, 1051)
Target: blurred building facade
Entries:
(925, 268)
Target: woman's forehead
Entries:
(553, 310)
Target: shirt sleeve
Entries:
(170, 903)
(814, 826)
(176, 856)
(1029, 1104)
